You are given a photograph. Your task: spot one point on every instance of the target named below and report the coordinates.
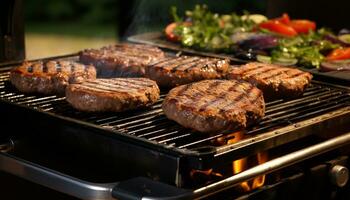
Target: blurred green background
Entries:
(56, 27)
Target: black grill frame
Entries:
(335, 111)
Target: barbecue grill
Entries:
(141, 154)
(164, 153)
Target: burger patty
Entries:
(117, 94)
(215, 105)
(275, 81)
(124, 60)
(171, 72)
(50, 77)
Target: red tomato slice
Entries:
(278, 27)
(284, 19)
(339, 54)
(169, 32)
(302, 25)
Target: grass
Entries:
(45, 40)
(72, 29)
(53, 39)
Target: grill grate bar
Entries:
(162, 125)
(301, 99)
(160, 130)
(181, 135)
(4, 95)
(4, 78)
(12, 98)
(326, 109)
(131, 118)
(32, 101)
(47, 109)
(308, 90)
(292, 118)
(60, 106)
(312, 98)
(275, 102)
(286, 110)
(315, 106)
(163, 135)
(51, 100)
(103, 119)
(314, 88)
(23, 99)
(143, 122)
(200, 141)
(152, 124)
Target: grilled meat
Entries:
(117, 94)
(123, 60)
(215, 105)
(170, 72)
(275, 81)
(50, 77)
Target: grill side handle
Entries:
(53, 179)
(135, 188)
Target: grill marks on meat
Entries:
(121, 59)
(117, 94)
(215, 105)
(171, 72)
(275, 81)
(50, 77)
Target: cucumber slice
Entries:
(285, 61)
(257, 18)
(345, 38)
(263, 59)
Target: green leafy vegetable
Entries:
(205, 30)
(308, 49)
(173, 12)
(210, 31)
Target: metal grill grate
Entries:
(152, 124)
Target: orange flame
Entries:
(242, 164)
(260, 180)
(208, 172)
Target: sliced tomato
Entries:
(169, 32)
(221, 23)
(302, 25)
(278, 27)
(339, 54)
(284, 19)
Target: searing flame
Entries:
(208, 172)
(259, 181)
(237, 165)
(242, 164)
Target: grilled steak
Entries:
(171, 72)
(50, 77)
(117, 94)
(123, 60)
(275, 81)
(215, 105)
